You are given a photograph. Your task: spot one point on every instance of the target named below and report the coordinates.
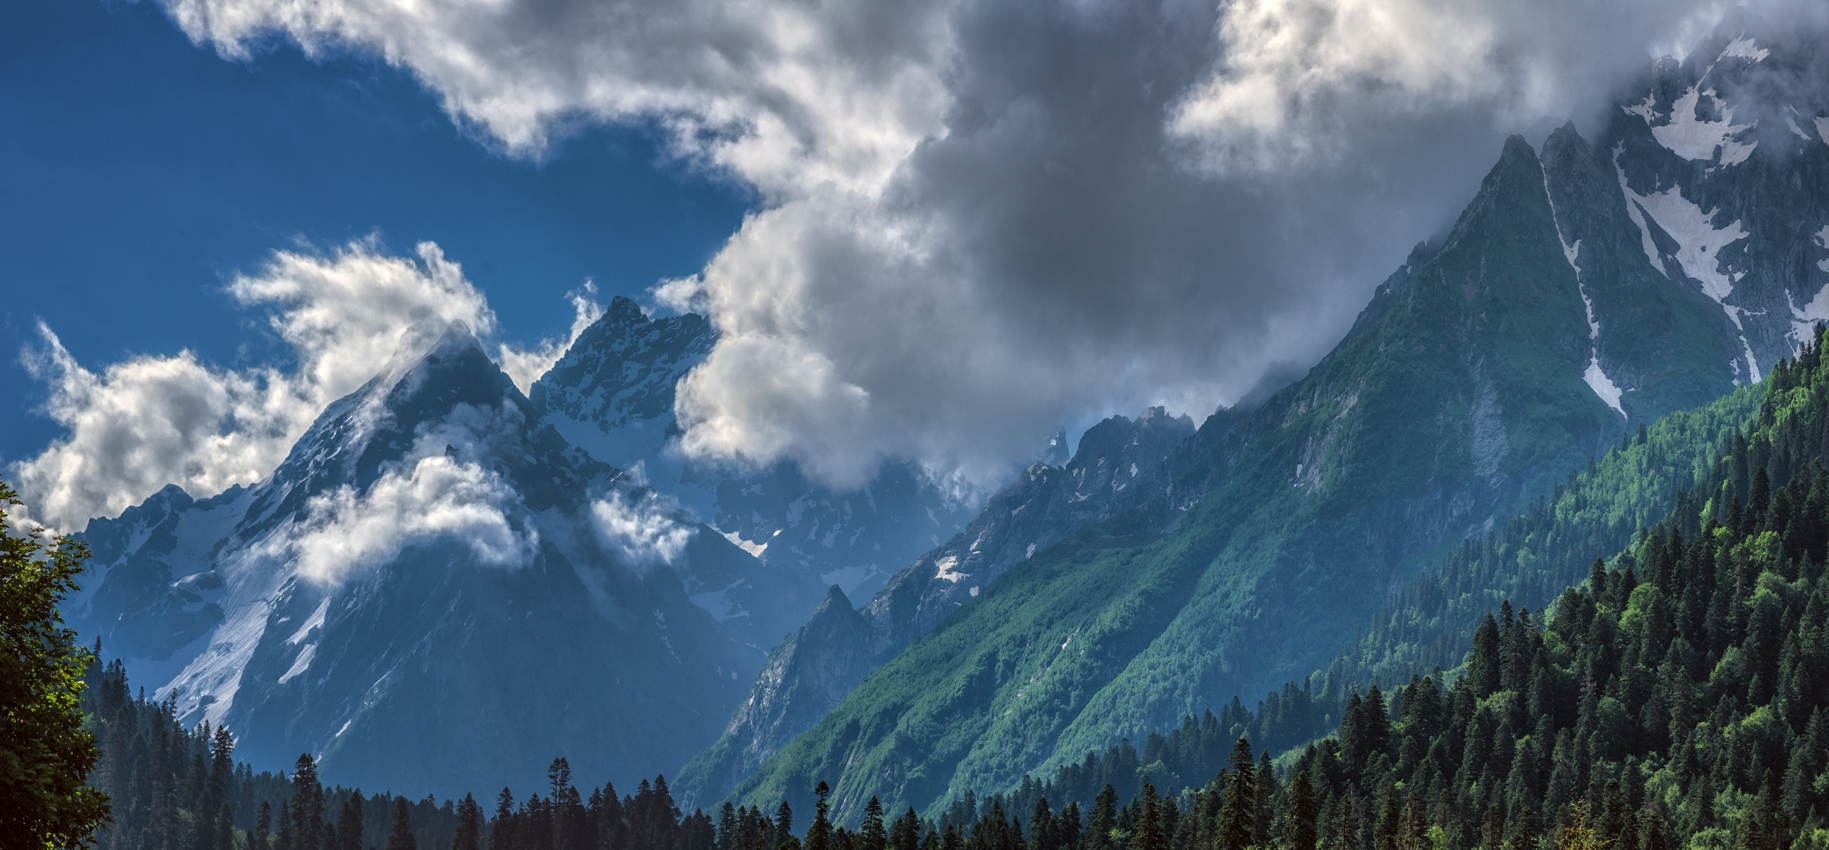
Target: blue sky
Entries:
(138, 171)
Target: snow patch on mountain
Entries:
(1602, 385)
(315, 620)
(1691, 137)
(1699, 242)
(1822, 129)
(755, 550)
(300, 664)
(1745, 48)
(1804, 319)
(944, 569)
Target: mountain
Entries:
(1570, 302)
(436, 592)
(612, 395)
(1118, 462)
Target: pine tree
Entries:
(307, 805)
(501, 831)
(1300, 828)
(819, 835)
(870, 834)
(1484, 664)
(1104, 819)
(906, 834)
(263, 826)
(349, 823)
(1149, 834)
(1266, 792)
(1345, 833)
(1766, 825)
(1238, 815)
(400, 831)
(469, 826)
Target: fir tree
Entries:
(1300, 828)
(349, 823)
(469, 825)
(400, 830)
(871, 834)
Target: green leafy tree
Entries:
(45, 754)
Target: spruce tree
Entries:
(400, 831)
(1238, 815)
(469, 825)
(871, 834)
(1300, 827)
(1104, 819)
(1148, 834)
(906, 834)
(501, 831)
(1484, 664)
(819, 834)
(307, 805)
(349, 823)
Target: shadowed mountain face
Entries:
(1580, 293)
(436, 592)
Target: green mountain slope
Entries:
(1457, 398)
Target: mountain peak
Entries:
(1516, 147)
(624, 310)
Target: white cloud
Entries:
(152, 420)
(428, 497)
(148, 422)
(789, 95)
(646, 529)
